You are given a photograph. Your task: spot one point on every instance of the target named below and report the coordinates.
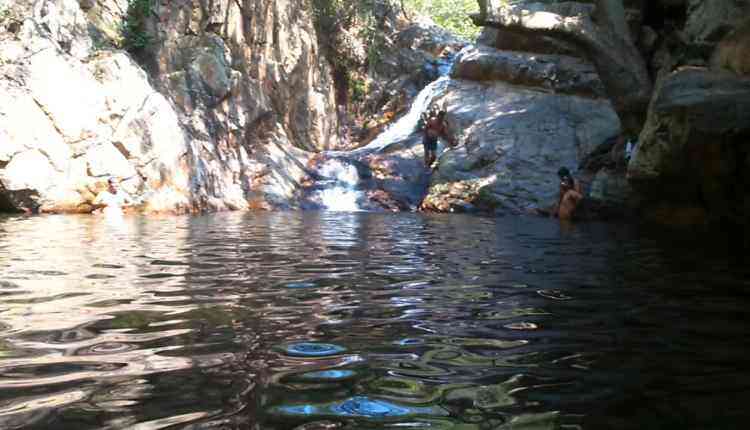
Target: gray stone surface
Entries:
(557, 73)
(512, 142)
(691, 105)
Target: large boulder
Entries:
(691, 107)
(507, 40)
(512, 142)
(695, 141)
(107, 121)
(600, 31)
(558, 73)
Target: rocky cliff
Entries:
(554, 79)
(208, 105)
(214, 112)
(190, 105)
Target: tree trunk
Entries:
(602, 34)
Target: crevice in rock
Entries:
(120, 147)
(49, 116)
(660, 16)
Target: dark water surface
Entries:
(364, 321)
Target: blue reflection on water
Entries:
(359, 407)
(328, 374)
(410, 341)
(309, 349)
(299, 285)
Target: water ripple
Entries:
(313, 321)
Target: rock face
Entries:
(600, 31)
(216, 125)
(513, 141)
(558, 73)
(691, 157)
(694, 144)
(689, 165)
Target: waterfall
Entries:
(406, 125)
(341, 193)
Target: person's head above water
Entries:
(565, 177)
(112, 185)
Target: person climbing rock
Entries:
(434, 126)
(112, 200)
(571, 194)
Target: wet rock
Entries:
(399, 175)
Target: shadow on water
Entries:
(358, 320)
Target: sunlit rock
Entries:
(512, 142)
(558, 73)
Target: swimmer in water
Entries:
(112, 200)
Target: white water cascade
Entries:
(406, 125)
(341, 194)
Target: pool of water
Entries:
(363, 321)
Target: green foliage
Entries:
(134, 33)
(331, 16)
(357, 89)
(453, 15)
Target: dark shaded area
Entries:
(660, 16)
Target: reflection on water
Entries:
(359, 321)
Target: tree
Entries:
(599, 30)
(453, 15)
